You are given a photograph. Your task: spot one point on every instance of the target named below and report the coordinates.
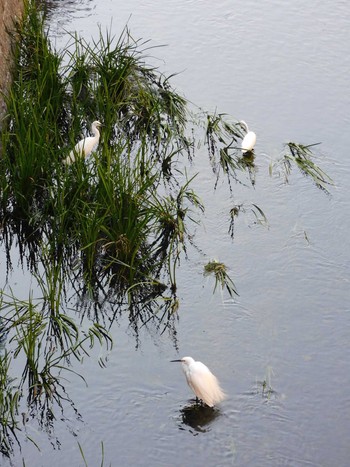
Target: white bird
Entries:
(202, 381)
(249, 139)
(86, 145)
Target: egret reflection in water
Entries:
(198, 417)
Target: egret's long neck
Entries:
(242, 122)
(95, 132)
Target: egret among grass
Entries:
(202, 381)
(249, 139)
(86, 145)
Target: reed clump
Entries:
(102, 210)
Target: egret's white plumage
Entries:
(249, 139)
(86, 145)
(202, 381)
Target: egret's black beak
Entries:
(175, 361)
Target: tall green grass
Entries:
(9, 401)
(103, 211)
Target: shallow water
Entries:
(284, 69)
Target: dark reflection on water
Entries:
(198, 417)
(66, 7)
(246, 162)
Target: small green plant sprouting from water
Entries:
(219, 271)
(266, 385)
(84, 458)
(259, 216)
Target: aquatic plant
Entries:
(219, 271)
(9, 400)
(302, 156)
(45, 339)
(104, 211)
(259, 218)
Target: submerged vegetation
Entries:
(110, 229)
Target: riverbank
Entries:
(10, 13)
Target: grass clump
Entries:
(219, 271)
(301, 156)
(46, 340)
(35, 124)
(9, 400)
(104, 211)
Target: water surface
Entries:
(284, 69)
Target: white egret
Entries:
(85, 146)
(202, 381)
(249, 139)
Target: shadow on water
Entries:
(247, 163)
(198, 417)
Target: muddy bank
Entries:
(10, 13)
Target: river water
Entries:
(284, 68)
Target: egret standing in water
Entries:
(202, 381)
(85, 146)
(249, 139)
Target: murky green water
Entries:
(285, 70)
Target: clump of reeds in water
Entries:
(120, 211)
